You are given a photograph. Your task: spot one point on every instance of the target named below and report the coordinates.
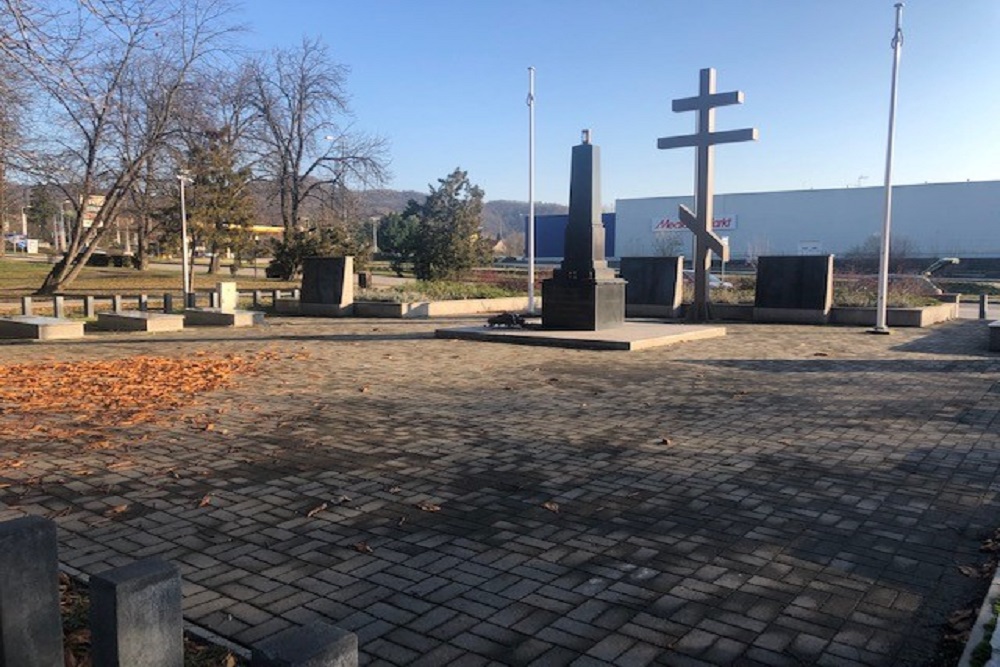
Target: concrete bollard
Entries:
(984, 302)
(168, 303)
(258, 296)
(26, 305)
(314, 645)
(89, 307)
(296, 294)
(275, 295)
(135, 616)
(116, 303)
(143, 302)
(213, 299)
(58, 306)
(30, 625)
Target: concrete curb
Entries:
(979, 629)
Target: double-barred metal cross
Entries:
(704, 139)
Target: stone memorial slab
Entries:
(137, 320)
(584, 294)
(217, 317)
(37, 327)
(227, 296)
(794, 289)
(327, 285)
(655, 285)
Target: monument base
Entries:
(583, 305)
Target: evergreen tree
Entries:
(448, 237)
(220, 209)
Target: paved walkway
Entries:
(783, 496)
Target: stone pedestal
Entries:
(583, 293)
(583, 305)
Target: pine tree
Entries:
(448, 238)
(220, 212)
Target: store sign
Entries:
(721, 224)
(94, 204)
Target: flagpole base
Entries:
(884, 331)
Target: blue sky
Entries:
(445, 81)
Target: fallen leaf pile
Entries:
(58, 399)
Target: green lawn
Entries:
(22, 278)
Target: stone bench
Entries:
(995, 336)
(137, 320)
(35, 327)
(216, 317)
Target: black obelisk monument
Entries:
(583, 294)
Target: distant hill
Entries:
(500, 217)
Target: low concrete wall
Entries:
(896, 317)
(423, 309)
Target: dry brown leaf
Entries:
(363, 390)
(205, 500)
(341, 500)
(116, 510)
(666, 441)
(551, 506)
(974, 571)
(428, 506)
(316, 510)
(209, 427)
(820, 354)
(394, 489)
(362, 547)
(230, 660)
(961, 620)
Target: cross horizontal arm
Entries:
(707, 101)
(708, 138)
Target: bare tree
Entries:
(109, 73)
(308, 144)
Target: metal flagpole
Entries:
(883, 264)
(531, 190)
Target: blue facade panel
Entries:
(550, 234)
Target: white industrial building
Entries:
(932, 220)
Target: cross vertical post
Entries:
(704, 140)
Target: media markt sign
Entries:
(723, 223)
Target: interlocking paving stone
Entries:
(785, 495)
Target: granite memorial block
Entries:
(794, 288)
(584, 294)
(30, 625)
(327, 285)
(655, 285)
(135, 616)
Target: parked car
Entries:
(714, 281)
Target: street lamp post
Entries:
(184, 178)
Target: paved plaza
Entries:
(785, 495)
